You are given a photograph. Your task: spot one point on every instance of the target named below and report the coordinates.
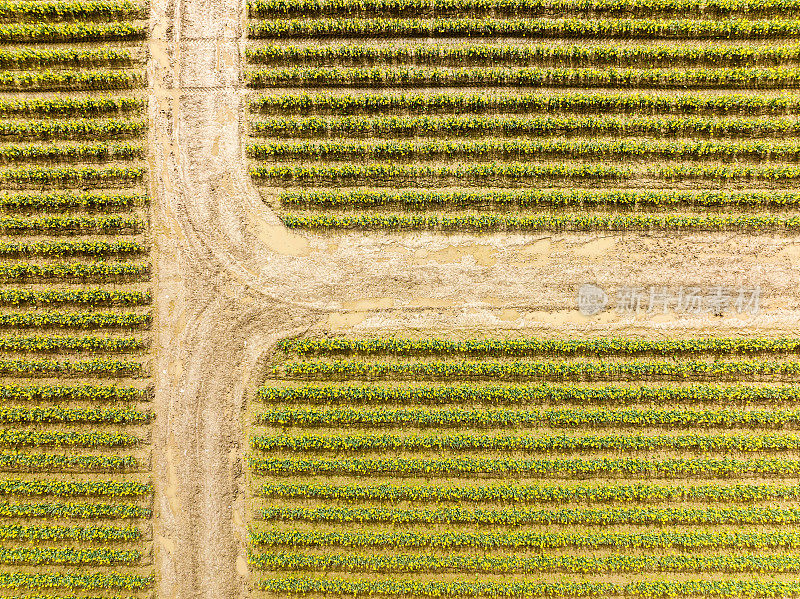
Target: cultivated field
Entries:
(74, 301)
(527, 467)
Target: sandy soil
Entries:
(230, 281)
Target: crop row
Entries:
(32, 438)
(535, 198)
(74, 580)
(737, 78)
(73, 510)
(59, 225)
(60, 414)
(83, 152)
(71, 32)
(567, 222)
(414, 588)
(92, 297)
(537, 540)
(511, 492)
(34, 556)
(64, 488)
(71, 128)
(558, 468)
(80, 176)
(59, 462)
(570, 28)
(528, 516)
(568, 101)
(570, 55)
(53, 343)
(64, 393)
(522, 149)
(72, 80)
(71, 248)
(307, 8)
(464, 395)
(77, 533)
(63, 10)
(94, 271)
(92, 367)
(78, 320)
(71, 201)
(514, 564)
(535, 369)
(547, 443)
(64, 57)
(403, 126)
(70, 107)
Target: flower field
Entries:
(526, 467)
(523, 115)
(75, 485)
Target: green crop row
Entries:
(307, 8)
(528, 516)
(737, 78)
(576, 102)
(511, 492)
(570, 55)
(57, 414)
(555, 468)
(63, 488)
(525, 149)
(93, 297)
(57, 462)
(64, 57)
(48, 129)
(544, 442)
(631, 370)
(34, 556)
(71, 32)
(63, 10)
(71, 248)
(534, 198)
(132, 582)
(82, 152)
(79, 176)
(409, 126)
(59, 225)
(575, 28)
(536, 540)
(93, 367)
(73, 510)
(77, 533)
(539, 346)
(549, 417)
(70, 201)
(72, 80)
(70, 107)
(514, 564)
(464, 395)
(414, 588)
(55, 343)
(566, 222)
(33, 438)
(94, 271)
(78, 320)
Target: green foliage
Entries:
(65, 488)
(61, 343)
(108, 534)
(77, 320)
(70, 107)
(93, 271)
(72, 152)
(64, 393)
(71, 32)
(92, 297)
(70, 201)
(63, 10)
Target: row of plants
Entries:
(34, 438)
(93, 271)
(76, 176)
(516, 27)
(465, 395)
(71, 248)
(107, 534)
(71, 32)
(607, 516)
(555, 468)
(307, 8)
(76, 320)
(568, 101)
(536, 198)
(91, 367)
(60, 343)
(401, 126)
(631, 370)
(70, 107)
(91, 297)
(66, 393)
(72, 152)
(70, 224)
(72, 556)
(74, 510)
(555, 222)
(70, 488)
(63, 10)
(723, 77)
(544, 442)
(26, 57)
(60, 414)
(540, 492)
(59, 462)
(69, 80)
(51, 129)
(74, 580)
